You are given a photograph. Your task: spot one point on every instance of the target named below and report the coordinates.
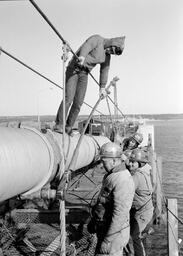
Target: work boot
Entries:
(58, 128)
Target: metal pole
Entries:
(62, 168)
(64, 59)
(62, 218)
(70, 168)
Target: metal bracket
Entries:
(62, 187)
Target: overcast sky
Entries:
(150, 68)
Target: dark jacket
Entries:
(93, 49)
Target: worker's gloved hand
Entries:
(102, 93)
(81, 60)
(105, 247)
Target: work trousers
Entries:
(75, 90)
(138, 222)
(115, 247)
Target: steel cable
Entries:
(118, 108)
(41, 75)
(64, 41)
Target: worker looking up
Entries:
(128, 144)
(110, 215)
(95, 50)
(142, 208)
(133, 141)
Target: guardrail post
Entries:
(172, 228)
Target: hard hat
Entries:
(111, 150)
(138, 137)
(139, 155)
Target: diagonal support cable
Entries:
(27, 66)
(56, 31)
(50, 24)
(117, 107)
(39, 74)
(63, 40)
(73, 159)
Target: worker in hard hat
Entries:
(129, 144)
(95, 50)
(133, 141)
(110, 215)
(142, 208)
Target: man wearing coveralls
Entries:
(110, 218)
(142, 208)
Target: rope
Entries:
(76, 181)
(89, 179)
(48, 21)
(65, 42)
(41, 75)
(81, 198)
(62, 214)
(118, 108)
(96, 186)
(176, 217)
(25, 65)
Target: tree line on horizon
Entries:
(50, 118)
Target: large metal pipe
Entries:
(27, 158)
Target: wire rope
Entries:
(64, 41)
(41, 75)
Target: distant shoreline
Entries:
(51, 118)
